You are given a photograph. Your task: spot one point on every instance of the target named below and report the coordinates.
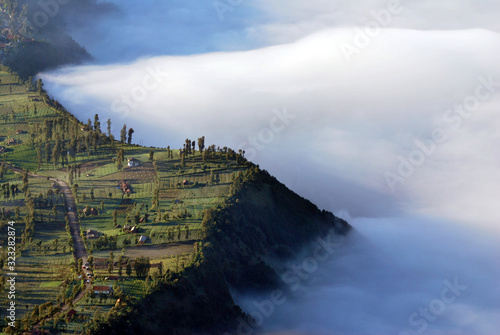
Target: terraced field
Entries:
(166, 203)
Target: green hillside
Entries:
(170, 233)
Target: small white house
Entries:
(103, 289)
(133, 162)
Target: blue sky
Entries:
(168, 27)
(177, 27)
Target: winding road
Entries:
(79, 250)
(69, 200)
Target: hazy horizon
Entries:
(385, 113)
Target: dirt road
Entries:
(71, 212)
(79, 250)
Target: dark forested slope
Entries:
(34, 35)
(262, 220)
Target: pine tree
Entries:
(123, 134)
(48, 125)
(130, 132)
(25, 181)
(119, 159)
(201, 143)
(97, 124)
(187, 146)
(128, 269)
(39, 86)
(109, 127)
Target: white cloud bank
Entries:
(398, 276)
(334, 109)
(355, 121)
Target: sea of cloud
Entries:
(385, 112)
(388, 124)
(396, 276)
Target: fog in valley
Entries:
(385, 113)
